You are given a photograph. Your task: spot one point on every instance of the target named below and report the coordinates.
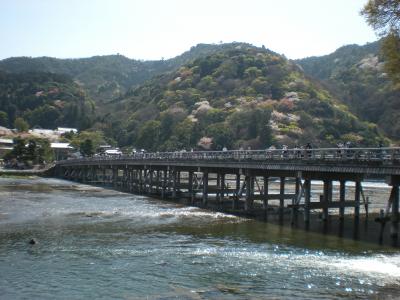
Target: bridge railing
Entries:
(387, 155)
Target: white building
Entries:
(63, 130)
(61, 150)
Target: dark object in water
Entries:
(33, 242)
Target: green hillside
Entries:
(356, 75)
(44, 99)
(104, 77)
(239, 96)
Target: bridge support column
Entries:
(265, 193)
(307, 200)
(248, 205)
(150, 190)
(296, 200)
(174, 183)
(282, 194)
(190, 187)
(140, 183)
(235, 202)
(342, 198)
(357, 197)
(103, 174)
(158, 182)
(218, 191)
(394, 230)
(326, 199)
(164, 184)
(205, 188)
(222, 188)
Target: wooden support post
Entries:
(249, 193)
(342, 198)
(326, 199)
(164, 184)
(218, 192)
(282, 194)
(265, 193)
(190, 187)
(394, 230)
(357, 197)
(307, 200)
(130, 175)
(178, 180)
(205, 187)
(222, 194)
(174, 183)
(294, 200)
(150, 190)
(115, 177)
(157, 182)
(140, 180)
(235, 200)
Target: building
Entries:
(63, 130)
(61, 150)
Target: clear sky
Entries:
(152, 29)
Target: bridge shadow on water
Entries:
(366, 229)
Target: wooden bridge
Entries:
(240, 179)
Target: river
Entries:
(104, 244)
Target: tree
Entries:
(221, 136)
(21, 124)
(148, 136)
(86, 147)
(384, 17)
(3, 119)
(96, 138)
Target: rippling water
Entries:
(104, 244)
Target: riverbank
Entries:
(27, 172)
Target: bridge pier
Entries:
(342, 198)
(205, 188)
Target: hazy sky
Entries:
(152, 29)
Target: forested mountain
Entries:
(104, 77)
(238, 96)
(355, 74)
(233, 95)
(44, 99)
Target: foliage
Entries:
(3, 118)
(391, 52)
(21, 125)
(384, 17)
(354, 73)
(87, 141)
(29, 152)
(227, 99)
(86, 147)
(45, 100)
(229, 95)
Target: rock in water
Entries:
(33, 242)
